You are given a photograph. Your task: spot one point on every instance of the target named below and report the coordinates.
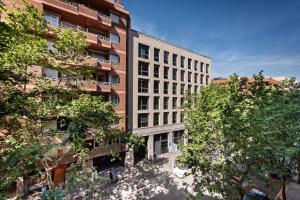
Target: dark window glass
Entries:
(143, 120)
(182, 89)
(166, 72)
(174, 74)
(166, 102)
(156, 54)
(207, 68)
(156, 87)
(174, 103)
(174, 88)
(196, 78)
(189, 77)
(166, 57)
(189, 63)
(166, 87)
(156, 71)
(166, 118)
(156, 103)
(143, 68)
(182, 75)
(201, 67)
(143, 51)
(174, 117)
(196, 65)
(182, 61)
(143, 102)
(174, 59)
(155, 119)
(143, 85)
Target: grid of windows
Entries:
(176, 82)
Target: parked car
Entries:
(255, 194)
(180, 170)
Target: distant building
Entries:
(221, 80)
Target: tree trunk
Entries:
(25, 185)
(283, 191)
(298, 167)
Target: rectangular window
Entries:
(174, 104)
(143, 68)
(114, 38)
(156, 87)
(156, 103)
(201, 67)
(166, 118)
(189, 63)
(196, 89)
(114, 99)
(114, 79)
(156, 54)
(143, 103)
(143, 85)
(182, 75)
(195, 78)
(182, 89)
(166, 102)
(166, 87)
(181, 117)
(174, 117)
(174, 74)
(201, 79)
(207, 80)
(207, 68)
(166, 57)
(155, 119)
(115, 18)
(143, 51)
(174, 60)
(181, 101)
(166, 72)
(190, 77)
(143, 120)
(189, 88)
(52, 19)
(114, 59)
(182, 59)
(174, 88)
(196, 65)
(156, 71)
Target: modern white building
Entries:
(159, 75)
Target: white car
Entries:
(180, 170)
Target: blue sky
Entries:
(241, 36)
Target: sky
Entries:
(240, 36)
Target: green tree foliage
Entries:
(237, 132)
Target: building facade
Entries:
(106, 24)
(159, 75)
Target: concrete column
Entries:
(129, 158)
(150, 147)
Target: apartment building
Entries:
(106, 24)
(159, 75)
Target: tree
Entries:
(230, 135)
(27, 99)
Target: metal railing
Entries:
(100, 14)
(72, 3)
(103, 38)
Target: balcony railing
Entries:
(74, 4)
(101, 37)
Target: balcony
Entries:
(79, 9)
(62, 5)
(104, 87)
(99, 63)
(98, 39)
